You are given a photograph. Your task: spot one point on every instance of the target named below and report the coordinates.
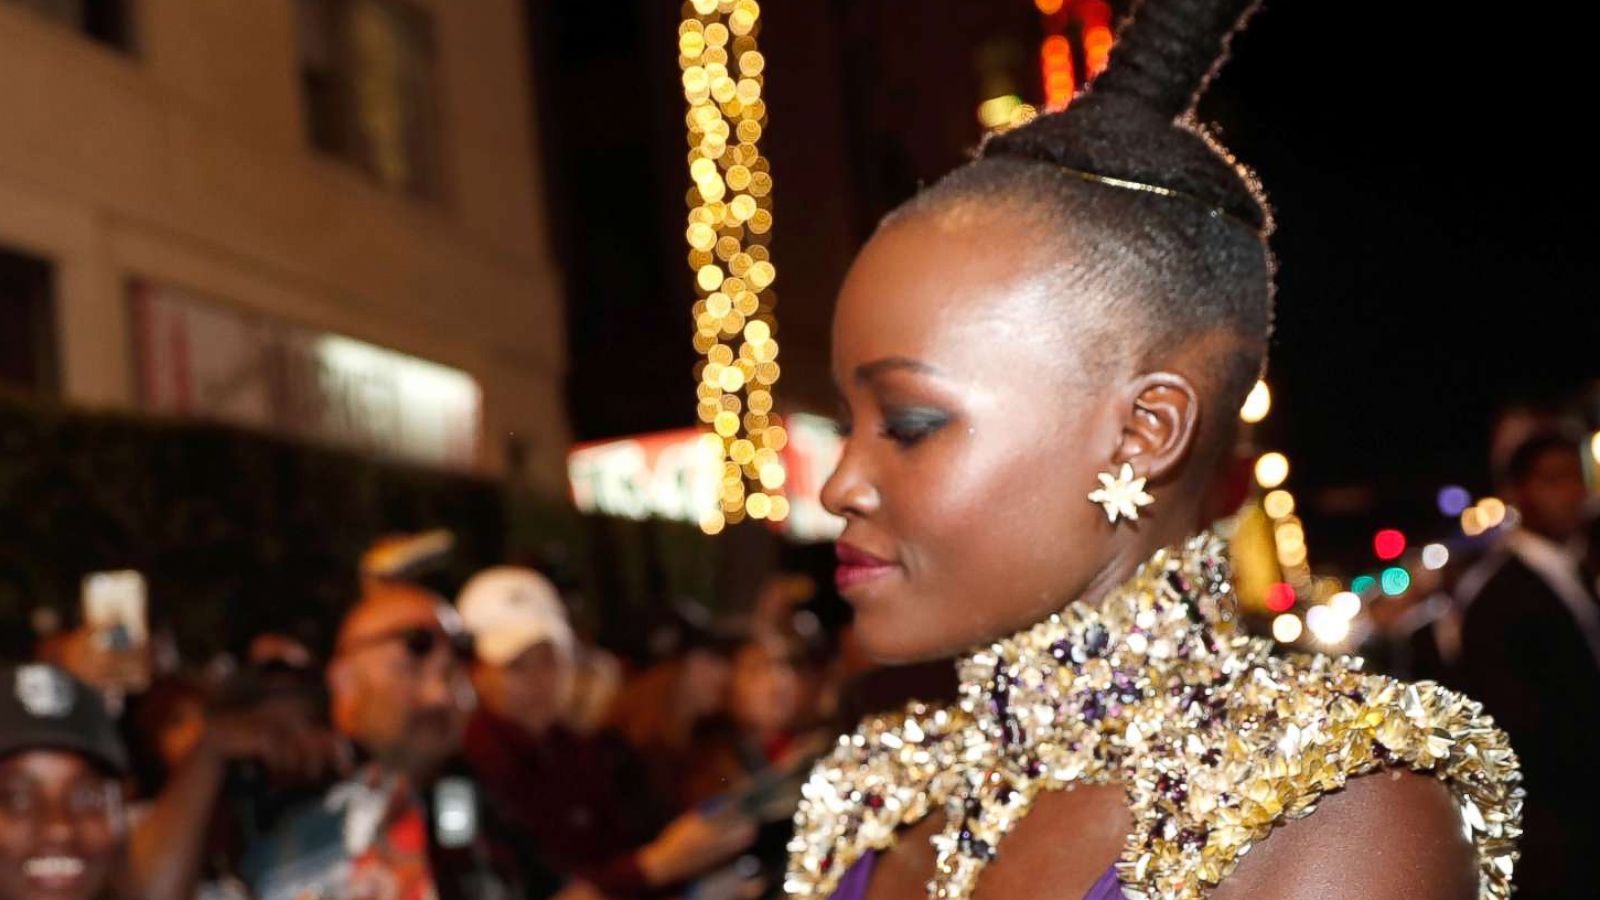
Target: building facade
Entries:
(312, 217)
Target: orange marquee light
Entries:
(1060, 82)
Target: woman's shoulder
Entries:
(1388, 835)
(1300, 733)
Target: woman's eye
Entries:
(908, 427)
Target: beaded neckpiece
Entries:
(1215, 740)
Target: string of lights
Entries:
(729, 224)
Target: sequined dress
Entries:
(1215, 739)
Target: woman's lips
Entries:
(857, 567)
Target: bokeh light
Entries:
(1272, 470)
(1280, 597)
(1290, 533)
(1286, 629)
(1278, 504)
(1327, 626)
(1389, 544)
(1292, 557)
(1363, 584)
(1346, 604)
(1453, 500)
(1493, 511)
(1396, 581)
(1435, 557)
(1258, 404)
(996, 112)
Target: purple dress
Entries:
(853, 886)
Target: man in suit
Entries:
(1530, 651)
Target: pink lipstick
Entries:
(857, 567)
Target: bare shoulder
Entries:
(1389, 835)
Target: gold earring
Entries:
(1121, 494)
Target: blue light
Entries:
(1363, 584)
(1454, 500)
(1396, 581)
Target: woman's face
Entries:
(976, 426)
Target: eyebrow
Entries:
(871, 370)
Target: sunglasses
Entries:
(419, 642)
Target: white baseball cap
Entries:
(509, 609)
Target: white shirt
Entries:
(1556, 566)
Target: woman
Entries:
(1081, 312)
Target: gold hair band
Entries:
(1215, 210)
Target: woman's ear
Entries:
(1160, 424)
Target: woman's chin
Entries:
(893, 638)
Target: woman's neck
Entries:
(1133, 549)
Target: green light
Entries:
(1363, 584)
(1396, 581)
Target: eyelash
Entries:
(911, 427)
(904, 428)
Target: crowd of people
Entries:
(481, 747)
(469, 749)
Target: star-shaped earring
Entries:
(1121, 495)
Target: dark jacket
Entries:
(1525, 658)
(584, 801)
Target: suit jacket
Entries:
(1525, 658)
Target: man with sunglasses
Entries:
(410, 824)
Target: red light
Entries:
(1093, 12)
(1389, 544)
(1060, 83)
(1280, 597)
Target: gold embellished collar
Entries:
(1214, 738)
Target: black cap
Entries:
(44, 708)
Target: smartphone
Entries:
(455, 813)
(116, 609)
(116, 614)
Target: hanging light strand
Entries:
(729, 224)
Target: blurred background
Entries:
(279, 277)
(297, 290)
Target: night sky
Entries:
(1433, 193)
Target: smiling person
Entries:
(1042, 358)
(62, 823)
